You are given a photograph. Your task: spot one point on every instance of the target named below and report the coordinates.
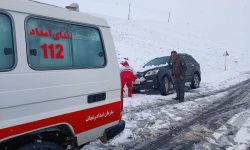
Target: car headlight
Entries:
(152, 72)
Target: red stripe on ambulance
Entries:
(80, 121)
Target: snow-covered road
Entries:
(233, 135)
(149, 117)
(202, 126)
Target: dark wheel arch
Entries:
(60, 134)
(43, 145)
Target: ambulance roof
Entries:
(46, 10)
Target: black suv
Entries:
(156, 74)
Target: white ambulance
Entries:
(59, 78)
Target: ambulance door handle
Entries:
(96, 97)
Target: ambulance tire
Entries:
(41, 146)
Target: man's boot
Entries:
(177, 98)
(181, 100)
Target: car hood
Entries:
(149, 68)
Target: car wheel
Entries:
(41, 146)
(165, 86)
(195, 82)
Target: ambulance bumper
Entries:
(111, 132)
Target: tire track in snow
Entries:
(212, 119)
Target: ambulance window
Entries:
(87, 47)
(49, 44)
(58, 45)
(7, 58)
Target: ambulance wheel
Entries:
(41, 146)
(165, 86)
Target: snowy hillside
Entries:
(202, 29)
(141, 41)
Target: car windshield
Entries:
(158, 61)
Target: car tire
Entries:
(165, 86)
(41, 146)
(195, 81)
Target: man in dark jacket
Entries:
(179, 69)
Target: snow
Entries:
(204, 29)
(243, 135)
(235, 134)
(151, 67)
(147, 116)
(123, 137)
